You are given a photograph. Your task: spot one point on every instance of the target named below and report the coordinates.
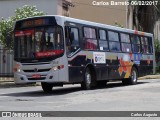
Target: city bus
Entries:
(56, 50)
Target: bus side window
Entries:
(114, 44)
(72, 39)
(150, 45)
(90, 39)
(125, 42)
(103, 42)
(145, 45)
(135, 43)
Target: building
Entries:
(82, 9)
(50, 7)
(99, 11)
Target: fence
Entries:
(6, 62)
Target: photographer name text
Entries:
(103, 3)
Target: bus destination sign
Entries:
(36, 22)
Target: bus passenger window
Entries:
(150, 45)
(114, 44)
(103, 42)
(146, 45)
(144, 42)
(125, 42)
(135, 44)
(90, 39)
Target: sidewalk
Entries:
(6, 79)
(150, 77)
(9, 83)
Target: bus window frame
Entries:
(70, 27)
(84, 38)
(107, 40)
(119, 41)
(150, 53)
(137, 35)
(131, 51)
(78, 32)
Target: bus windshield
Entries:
(37, 43)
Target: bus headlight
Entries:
(55, 68)
(18, 70)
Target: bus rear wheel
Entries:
(47, 87)
(87, 83)
(133, 78)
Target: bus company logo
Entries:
(35, 69)
(99, 57)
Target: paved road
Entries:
(145, 96)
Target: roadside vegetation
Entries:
(7, 25)
(157, 54)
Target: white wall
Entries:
(7, 7)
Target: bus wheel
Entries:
(88, 80)
(47, 87)
(133, 78)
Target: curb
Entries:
(149, 77)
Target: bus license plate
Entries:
(36, 76)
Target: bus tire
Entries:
(133, 78)
(47, 87)
(88, 80)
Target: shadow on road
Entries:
(38, 93)
(117, 84)
(63, 91)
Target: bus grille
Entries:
(42, 78)
(38, 70)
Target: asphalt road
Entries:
(145, 96)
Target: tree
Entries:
(144, 16)
(7, 25)
(157, 51)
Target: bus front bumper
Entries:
(20, 78)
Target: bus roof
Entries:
(95, 24)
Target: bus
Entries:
(56, 50)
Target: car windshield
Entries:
(37, 43)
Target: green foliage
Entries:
(157, 46)
(25, 12)
(144, 16)
(7, 25)
(157, 55)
